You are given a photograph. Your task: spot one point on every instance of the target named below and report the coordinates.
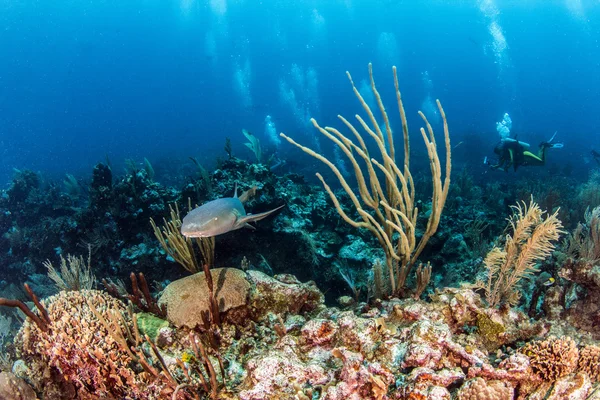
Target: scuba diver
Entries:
(514, 153)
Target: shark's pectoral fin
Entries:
(243, 222)
(247, 225)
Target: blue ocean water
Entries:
(81, 81)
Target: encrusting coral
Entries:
(480, 389)
(583, 267)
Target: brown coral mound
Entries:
(589, 362)
(186, 298)
(552, 358)
(13, 388)
(480, 389)
(78, 348)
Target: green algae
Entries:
(489, 330)
(149, 324)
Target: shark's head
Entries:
(213, 218)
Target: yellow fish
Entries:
(549, 282)
(187, 357)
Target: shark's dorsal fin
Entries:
(235, 191)
(245, 196)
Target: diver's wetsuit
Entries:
(513, 153)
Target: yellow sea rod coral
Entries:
(78, 348)
(552, 358)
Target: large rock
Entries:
(186, 298)
(13, 388)
(283, 294)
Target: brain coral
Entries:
(186, 298)
(552, 358)
(78, 347)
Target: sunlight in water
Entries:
(576, 8)
(186, 6)
(387, 49)
(241, 80)
(317, 19)
(219, 7)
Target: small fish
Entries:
(549, 282)
(219, 216)
(187, 357)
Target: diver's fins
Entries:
(552, 145)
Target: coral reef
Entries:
(552, 358)
(480, 389)
(292, 346)
(78, 354)
(260, 320)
